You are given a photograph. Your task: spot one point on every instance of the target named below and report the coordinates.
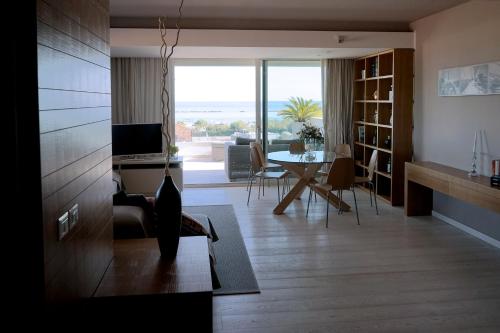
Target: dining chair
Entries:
(369, 179)
(258, 171)
(340, 178)
(266, 165)
(297, 148)
(340, 150)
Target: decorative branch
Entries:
(165, 94)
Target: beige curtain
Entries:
(338, 101)
(136, 90)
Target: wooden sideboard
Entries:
(141, 287)
(422, 178)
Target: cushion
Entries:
(243, 141)
(192, 227)
(128, 222)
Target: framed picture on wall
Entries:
(480, 79)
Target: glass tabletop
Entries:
(313, 157)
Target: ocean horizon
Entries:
(224, 112)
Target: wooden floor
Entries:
(390, 274)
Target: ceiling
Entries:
(186, 52)
(300, 15)
(368, 15)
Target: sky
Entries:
(237, 83)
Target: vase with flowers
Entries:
(168, 206)
(312, 137)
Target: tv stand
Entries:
(145, 174)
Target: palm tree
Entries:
(300, 109)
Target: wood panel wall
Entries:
(75, 142)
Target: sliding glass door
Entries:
(214, 103)
(291, 97)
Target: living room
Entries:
(415, 248)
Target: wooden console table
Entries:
(421, 178)
(142, 287)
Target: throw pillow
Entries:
(192, 227)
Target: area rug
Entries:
(233, 266)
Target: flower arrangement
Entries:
(311, 133)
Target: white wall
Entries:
(444, 126)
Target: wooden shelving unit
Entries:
(383, 108)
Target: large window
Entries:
(293, 97)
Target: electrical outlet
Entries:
(63, 225)
(73, 216)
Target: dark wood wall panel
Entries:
(62, 200)
(56, 180)
(57, 70)
(50, 99)
(83, 258)
(89, 14)
(58, 20)
(53, 120)
(75, 143)
(52, 38)
(69, 145)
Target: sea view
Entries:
(223, 112)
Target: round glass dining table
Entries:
(304, 166)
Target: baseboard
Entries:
(469, 230)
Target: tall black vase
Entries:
(168, 209)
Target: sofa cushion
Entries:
(243, 141)
(128, 222)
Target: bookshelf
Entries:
(383, 106)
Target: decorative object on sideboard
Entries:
(168, 205)
(473, 171)
(375, 94)
(479, 79)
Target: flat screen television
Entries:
(136, 139)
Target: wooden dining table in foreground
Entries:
(304, 166)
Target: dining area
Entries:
(325, 174)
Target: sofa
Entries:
(237, 155)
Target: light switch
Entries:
(63, 225)
(73, 216)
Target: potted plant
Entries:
(173, 150)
